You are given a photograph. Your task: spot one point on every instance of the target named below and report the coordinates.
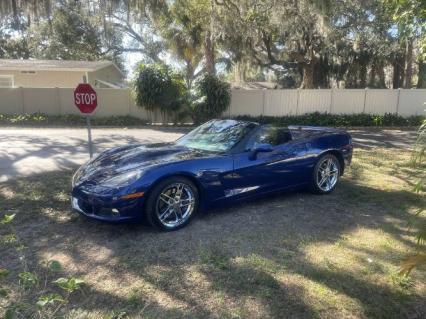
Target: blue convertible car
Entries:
(218, 162)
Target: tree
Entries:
(287, 35)
(73, 33)
(370, 46)
(410, 17)
(13, 47)
(213, 98)
(182, 29)
(135, 20)
(65, 30)
(304, 43)
(157, 26)
(321, 42)
(158, 88)
(418, 161)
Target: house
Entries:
(59, 73)
(255, 85)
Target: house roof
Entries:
(55, 65)
(255, 85)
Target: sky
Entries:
(131, 60)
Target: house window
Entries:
(6, 81)
(28, 72)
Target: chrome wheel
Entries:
(175, 204)
(327, 174)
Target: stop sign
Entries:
(85, 98)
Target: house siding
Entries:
(45, 79)
(62, 79)
(109, 74)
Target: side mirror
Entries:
(257, 148)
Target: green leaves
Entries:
(69, 284)
(10, 314)
(158, 88)
(28, 279)
(54, 265)
(7, 219)
(213, 98)
(49, 300)
(3, 273)
(418, 161)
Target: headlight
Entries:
(76, 175)
(122, 179)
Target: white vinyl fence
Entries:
(60, 101)
(336, 101)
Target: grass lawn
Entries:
(292, 255)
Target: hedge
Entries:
(340, 120)
(317, 119)
(41, 119)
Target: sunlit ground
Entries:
(290, 255)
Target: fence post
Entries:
(22, 99)
(297, 101)
(397, 101)
(331, 100)
(230, 104)
(365, 99)
(129, 100)
(58, 101)
(263, 101)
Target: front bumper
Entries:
(348, 158)
(106, 208)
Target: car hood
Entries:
(133, 157)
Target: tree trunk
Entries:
(15, 13)
(321, 71)
(381, 74)
(409, 65)
(421, 82)
(398, 73)
(238, 74)
(209, 53)
(189, 77)
(372, 76)
(308, 76)
(363, 75)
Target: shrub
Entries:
(213, 98)
(418, 161)
(320, 119)
(326, 119)
(158, 88)
(40, 119)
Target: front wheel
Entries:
(172, 203)
(326, 174)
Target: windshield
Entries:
(216, 135)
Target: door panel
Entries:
(281, 168)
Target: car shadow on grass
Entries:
(247, 260)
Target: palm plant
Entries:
(418, 161)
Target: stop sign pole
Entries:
(89, 135)
(86, 99)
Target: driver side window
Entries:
(270, 135)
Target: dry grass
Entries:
(290, 255)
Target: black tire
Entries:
(315, 182)
(152, 209)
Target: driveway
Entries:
(27, 151)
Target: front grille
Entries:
(85, 206)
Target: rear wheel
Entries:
(172, 203)
(326, 174)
